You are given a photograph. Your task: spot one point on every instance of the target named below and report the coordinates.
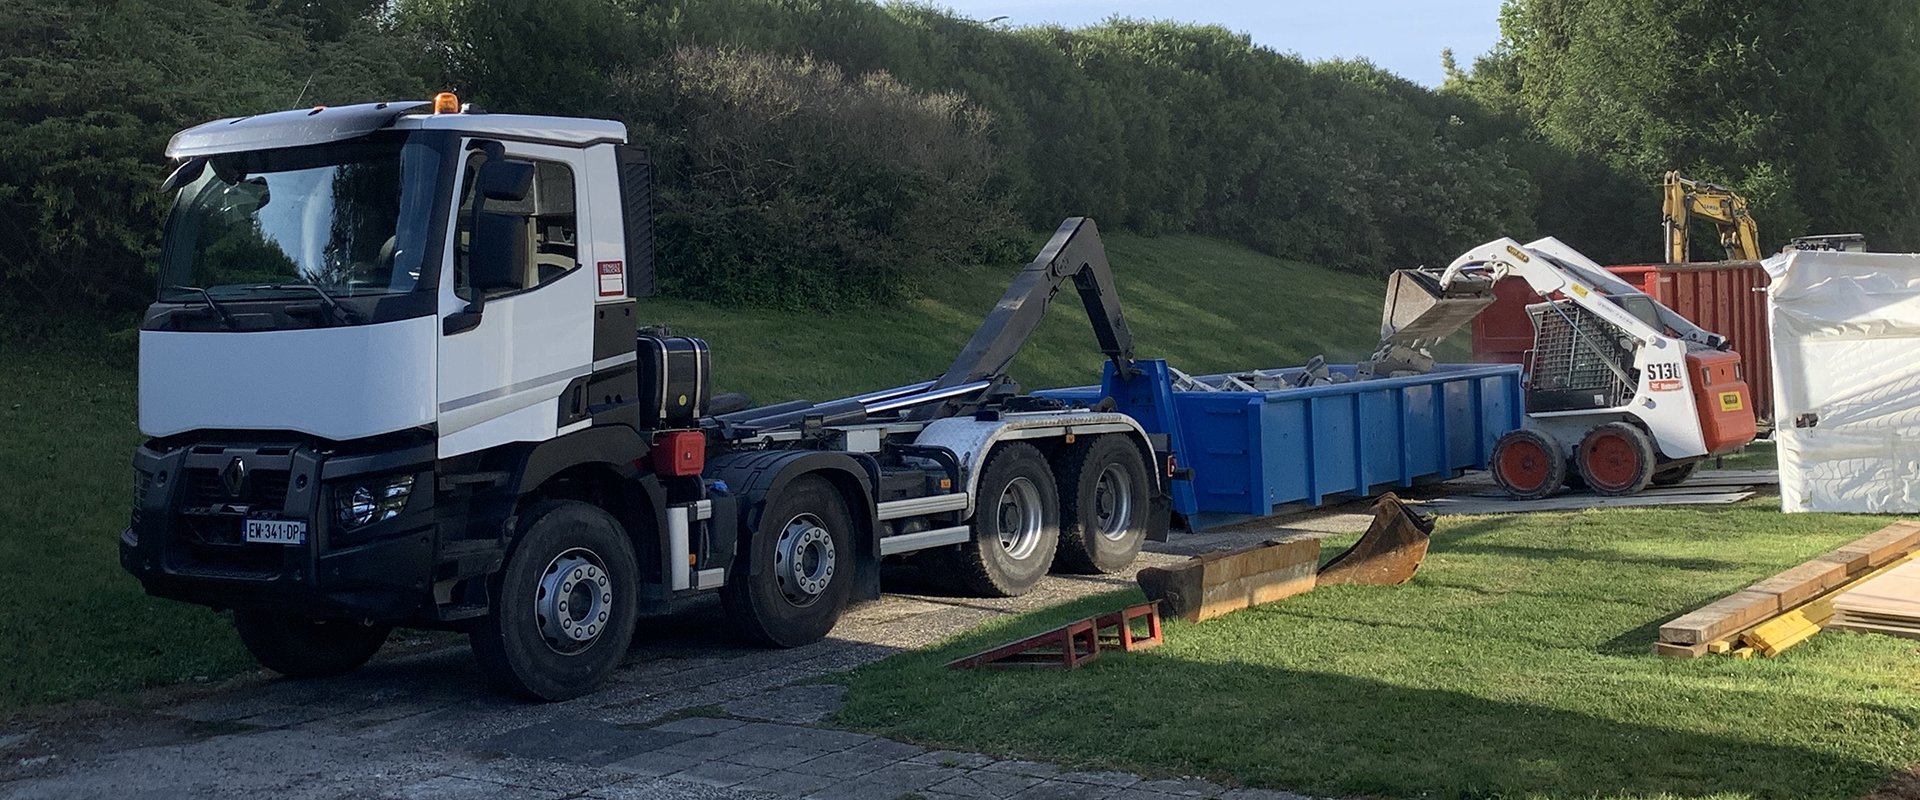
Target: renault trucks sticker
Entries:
(613, 279)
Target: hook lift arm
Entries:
(1074, 253)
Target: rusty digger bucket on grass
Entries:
(1220, 583)
(1389, 552)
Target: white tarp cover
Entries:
(1846, 390)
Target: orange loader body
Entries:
(1724, 402)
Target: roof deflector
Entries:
(287, 128)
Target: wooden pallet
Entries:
(1785, 609)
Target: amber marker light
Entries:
(446, 103)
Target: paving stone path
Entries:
(420, 726)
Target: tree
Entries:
(1806, 108)
(89, 94)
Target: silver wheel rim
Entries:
(803, 560)
(1018, 518)
(1113, 503)
(574, 601)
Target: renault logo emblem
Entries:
(234, 477)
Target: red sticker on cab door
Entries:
(613, 279)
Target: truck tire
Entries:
(1528, 464)
(792, 580)
(1016, 524)
(1616, 459)
(1674, 476)
(564, 607)
(298, 647)
(1103, 506)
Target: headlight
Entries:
(373, 501)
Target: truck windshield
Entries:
(349, 218)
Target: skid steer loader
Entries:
(1621, 391)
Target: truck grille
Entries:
(1578, 360)
(208, 527)
(266, 489)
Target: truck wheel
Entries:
(794, 578)
(1528, 464)
(564, 606)
(1674, 476)
(298, 647)
(1103, 506)
(1616, 459)
(1016, 524)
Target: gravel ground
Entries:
(417, 723)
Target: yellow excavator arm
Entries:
(1685, 199)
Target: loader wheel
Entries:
(1528, 464)
(298, 647)
(1674, 476)
(1016, 524)
(564, 607)
(793, 579)
(1103, 506)
(1616, 459)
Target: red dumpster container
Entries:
(1726, 297)
(1503, 333)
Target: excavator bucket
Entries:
(1420, 313)
(1389, 552)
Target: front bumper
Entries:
(184, 541)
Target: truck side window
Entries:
(552, 224)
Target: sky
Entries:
(1402, 36)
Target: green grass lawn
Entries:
(1758, 455)
(1515, 665)
(72, 624)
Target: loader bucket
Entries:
(1419, 313)
(1389, 552)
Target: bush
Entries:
(90, 93)
(787, 182)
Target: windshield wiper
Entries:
(347, 313)
(225, 317)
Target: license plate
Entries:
(276, 531)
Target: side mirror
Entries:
(506, 181)
(498, 253)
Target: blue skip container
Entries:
(1255, 453)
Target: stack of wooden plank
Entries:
(1888, 604)
(1781, 611)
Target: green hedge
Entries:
(829, 153)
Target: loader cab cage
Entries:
(1579, 361)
